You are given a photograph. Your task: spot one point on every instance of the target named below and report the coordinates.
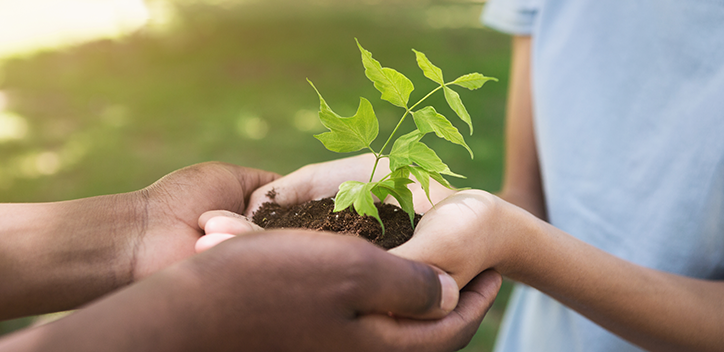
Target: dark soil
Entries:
(318, 215)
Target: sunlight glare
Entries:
(307, 121)
(12, 126)
(31, 25)
(252, 126)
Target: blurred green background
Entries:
(225, 80)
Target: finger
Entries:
(478, 296)
(222, 221)
(451, 333)
(406, 288)
(314, 181)
(210, 240)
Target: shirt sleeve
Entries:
(514, 17)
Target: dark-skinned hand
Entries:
(57, 256)
(278, 291)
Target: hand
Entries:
(59, 255)
(468, 233)
(279, 291)
(174, 204)
(317, 181)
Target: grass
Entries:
(228, 83)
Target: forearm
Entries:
(522, 184)
(656, 310)
(134, 319)
(56, 256)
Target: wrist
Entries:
(64, 254)
(507, 233)
(524, 238)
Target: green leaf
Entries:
(429, 120)
(394, 86)
(399, 156)
(347, 134)
(431, 71)
(472, 81)
(453, 99)
(423, 177)
(437, 177)
(397, 187)
(408, 149)
(347, 194)
(402, 172)
(359, 195)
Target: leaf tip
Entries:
(358, 44)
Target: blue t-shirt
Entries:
(629, 123)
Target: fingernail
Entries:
(450, 292)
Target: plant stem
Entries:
(407, 110)
(377, 160)
(425, 97)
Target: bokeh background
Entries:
(107, 96)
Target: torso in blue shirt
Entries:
(629, 119)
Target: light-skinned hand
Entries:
(467, 233)
(316, 181)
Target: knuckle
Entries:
(359, 267)
(483, 203)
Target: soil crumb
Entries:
(272, 194)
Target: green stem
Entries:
(407, 111)
(377, 160)
(425, 97)
(382, 150)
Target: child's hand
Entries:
(467, 233)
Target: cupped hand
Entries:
(283, 291)
(171, 207)
(316, 181)
(468, 233)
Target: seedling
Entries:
(408, 156)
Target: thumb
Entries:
(250, 180)
(410, 289)
(450, 333)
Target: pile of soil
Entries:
(318, 215)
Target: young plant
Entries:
(408, 156)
